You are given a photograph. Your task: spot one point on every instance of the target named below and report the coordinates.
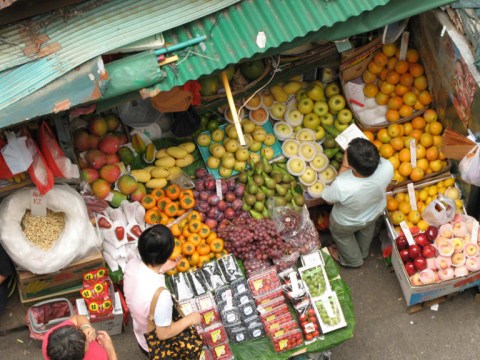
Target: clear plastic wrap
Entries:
(198, 282)
(231, 270)
(215, 335)
(263, 282)
(252, 266)
(181, 287)
(308, 320)
(213, 275)
(237, 333)
(287, 260)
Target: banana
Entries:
(156, 183)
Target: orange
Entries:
(392, 204)
(420, 83)
(414, 217)
(404, 155)
(377, 143)
(370, 90)
(374, 68)
(416, 133)
(425, 97)
(395, 103)
(417, 174)
(406, 80)
(400, 89)
(397, 177)
(423, 164)
(412, 56)
(408, 140)
(391, 63)
(392, 115)
(432, 153)
(389, 49)
(393, 77)
(436, 165)
(426, 140)
(405, 169)
(404, 207)
(436, 128)
(407, 128)
(401, 66)
(386, 150)
(405, 111)
(383, 74)
(381, 98)
(387, 88)
(409, 98)
(420, 151)
(369, 135)
(430, 115)
(418, 123)
(394, 161)
(400, 196)
(422, 224)
(418, 106)
(397, 143)
(369, 77)
(380, 59)
(415, 70)
(383, 136)
(437, 140)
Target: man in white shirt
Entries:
(358, 195)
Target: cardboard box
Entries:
(113, 325)
(33, 287)
(455, 145)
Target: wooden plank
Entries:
(427, 304)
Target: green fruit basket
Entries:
(205, 152)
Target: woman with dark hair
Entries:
(143, 277)
(358, 195)
(76, 339)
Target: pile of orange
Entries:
(393, 143)
(401, 85)
(195, 243)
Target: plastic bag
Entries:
(76, 241)
(60, 165)
(470, 167)
(439, 211)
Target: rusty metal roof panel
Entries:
(47, 46)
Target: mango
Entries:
(142, 175)
(95, 158)
(175, 172)
(127, 184)
(167, 161)
(100, 188)
(98, 126)
(110, 173)
(160, 172)
(138, 144)
(149, 154)
(89, 175)
(278, 93)
(81, 139)
(138, 194)
(292, 87)
(156, 183)
(117, 199)
(161, 153)
(109, 144)
(188, 147)
(176, 152)
(187, 160)
(126, 155)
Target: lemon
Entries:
(433, 191)
(449, 182)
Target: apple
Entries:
(458, 259)
(410, 268)
(267, 153)
(420, 263)
(336, 102)
(320, 108)
(315, 92)
(327, 74)
(311, 121)
(404, 255)
(431, 233)
(319, 162)
(328, 174)
(213, 162)
(339, 126)
(401, 242)
(203, 139)
(269, 140)
(224, 172)
(472, 264)
(301, 94)
(344, 116)
(414, 251)
(332, 89)
(319, 133)
(259, 135)
(218, 135)
(429, 251)
(231, 145)
(278, 110)
(218, 151)
(421, 239)
(471, 249)
(327, 119)
(254, 157)
(294, 117)
(242, 155)
(458, 244)
(228, 162)
(290, 148)
(305, 105)
(309, 176)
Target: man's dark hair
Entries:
(363, 156)
(66, 343)
(155, 245)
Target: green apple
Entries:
(301, 94)
(218, 135)
(239, 166)
(218, 151)
(332, 89)
(255, 146)
(242, 155)
(213, 162)
(231, 145)
(315, 92)
(231, 131)
(267, 152)
(278, 110)
(311, 121)
(294, 117)
(248, 126)
(319, 133)
(344, 116)
(228, 161)
(203, 139)
(336, 102)
(327, 119)
(269, 140)
(320, 108)
(259, 134)
(224, 172)
(327, 74)
(305, 105)
(290, 148)
(339, 126)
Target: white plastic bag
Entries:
(440, 211)
(470, 167)
(76, 241)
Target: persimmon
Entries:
(148, 202)
(204, 231)
(171, 209)
(194, 215)
(183, 265)
(217, 245)
(162, 202)
(203, 249)
(152, 216)
(157, 193)
(194, 226)
(172, 191)
(188, 248)
(187, 202)
(194, 239)
(194, 258)
(175, 229)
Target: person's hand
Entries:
(90, 333)
(169, 265)
(345, 160)
(195, 319)
(104, 339)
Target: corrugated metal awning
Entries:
(48, 46)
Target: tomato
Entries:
(303, 317)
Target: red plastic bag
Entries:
(39, 172)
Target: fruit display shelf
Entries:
(205, 152)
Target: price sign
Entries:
(408, 234)
(404, 45)
(411, 196)
(38, 206)
(474, 237)
(413, 153)
(218, 184)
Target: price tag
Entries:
(408, 234)
(404, 45)
(312, 259)
(411, 195)
(38, 206)
(309, 328)
(218, 184)
(413, 153)
(474, 237)
(294, 282)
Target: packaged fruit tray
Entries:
(315, 280)
(329, 312)
(264, 282)
(205, 152)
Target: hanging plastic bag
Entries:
(39, 172)
(15, 157)
(60, 165)
(470, 167)
(440, 211)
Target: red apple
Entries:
(401, 242)
(404, 255)
(410, 268)
(414, 251)
(429, 251)
(421, 239)
(431, 233)
(420, 263)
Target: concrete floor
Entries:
(384, 330)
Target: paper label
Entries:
(408, 234)
(261, 40)
(309, 328)
(205, 304)
(279, 333)
(209, 317)
(282, 344)
(218, 184)
(216, 335)
(275, 326)
(413, 153)
(228, 298)
(474, 237)
(202, 355)
(411, 195)
(271, 317)
(258, 284)
(312, 259)
(220, 350)
(404, 45)
(38, 206)
(350, 133)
